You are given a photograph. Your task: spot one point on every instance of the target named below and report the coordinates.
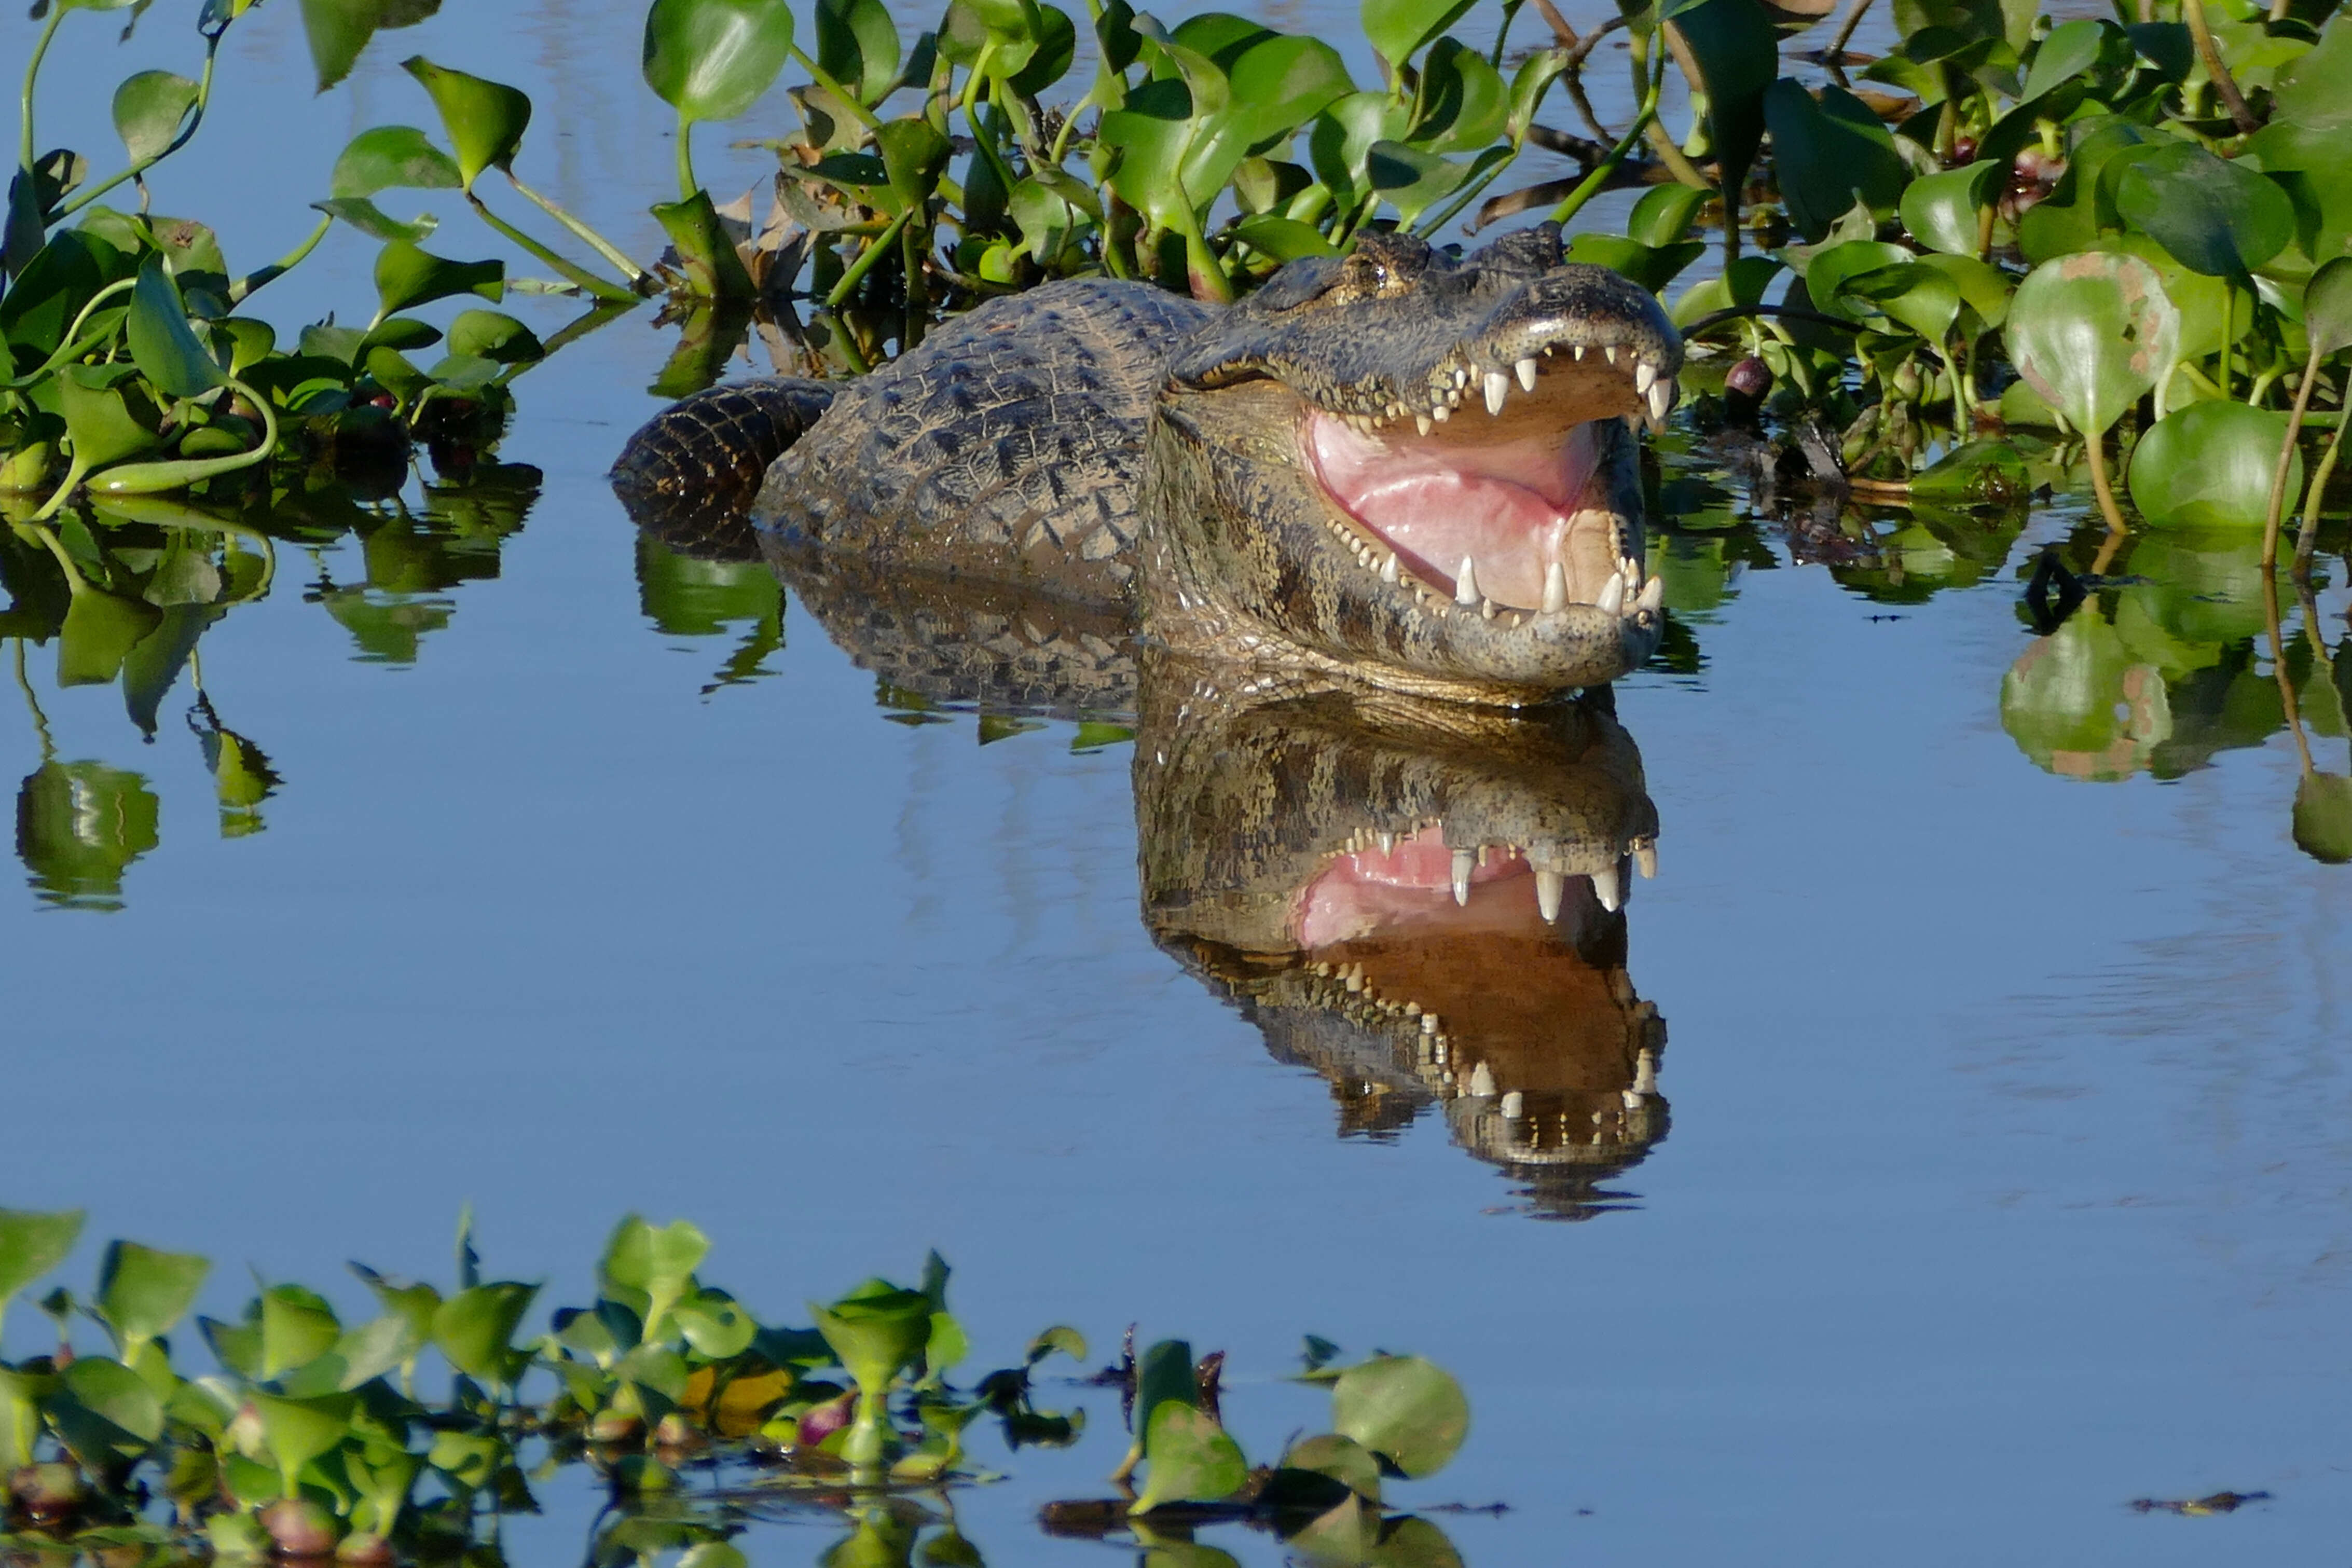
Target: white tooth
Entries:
(1515, 1106)
(1631, 571)
(1465, 862)
(1487, 608)
(1466, 583)
(1421, 423)
(1454, 398)
(1634, 423)
(1442, 413)
(1645, 373)
(1578, 350)
(1653, 595)
(1608, 352)
(1389, 570)
(1555, 597)
(1388, 845)
(1527, 373)
(1461, 378)
(1645, 858)
(1549, 885)
(1499, 386)
(1662, 397)
(1612, 597)
(1605, 889)
(1482, 1082)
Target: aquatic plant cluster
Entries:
(2002, 223)
(310, 1437)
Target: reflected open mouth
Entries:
(1508, 508)
(1386, 883)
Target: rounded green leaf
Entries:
(128, 1411)
(715, 1324)
(1188, 1457)
(31, 1244)
(874, 1332)
(494, 335)
(1942, 211)
(2213, 215)
(485, 120)
(149, 109)
(299, 1430)
(1463, 100)
(1398, 29)
(162, 344)
(392, 157)
(1665, 214)
(1343, 1459)
(2327, 307)
(1829, 154)
(142, 1292)
(108, 417)
(709, 60)
(1921, 298)
(2323, 817)
(2210, 466)
(1404, 1408)
(297, 1327)
(857, 45)
(2092, 333)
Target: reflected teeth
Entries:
(1465, 862)
(1549, 886)
(1555, 597)
(1645, 860)
(1606, 888)
(1499, 386)
(1466, 583)
(1526, 371)
(1612, 597)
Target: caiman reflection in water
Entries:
(1422, 901)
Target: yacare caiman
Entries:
(1398, 467)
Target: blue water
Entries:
(2008, 1174)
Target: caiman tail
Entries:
(689, 475)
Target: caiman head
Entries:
(1422, 901)
(1416, 471)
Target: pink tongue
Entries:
(1439, 501)
(1412, 885)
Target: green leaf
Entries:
(1343, 1459)
(338, 30)
(1992, 473)
(1943, 211)
(2092, 333)
(857, 45)
(162, 344)
(1060, 1337)
(474, 1329)
(1188, 1457)
(296, 1328)
(100, 633)
(494, 335)
(714, 1325)
(875, 1331)
(392, 157)
(105, 1412)
(2210, 466)
(485, 120)
(1828, 155)
(1738, 56)
(149, 109)
(712, 265)
(31, 1244)
(1403, 1408)
(1665, 214)
(2216, 218)
(375, 223)
(1398, 29)
(1165, 1373)
(2327, 307)
(142, 1292)
(1463, 101)
(710, 59)
(1651, 265)
(2316, 89)
(2323, 817)
(407, 277)
(657, 1263)
(299, 1430)
(2071, 49)
(1921, 298)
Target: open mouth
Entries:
(1497, 497)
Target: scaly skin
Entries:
(1112, 445)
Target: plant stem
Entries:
(2306, 541)
(1845, 33)
(2286, 461)
(602, 288)
(2098, 447)
(1591, 182)
(687, 184)
(242, 290)
(25, 104)
(178, 473)
(874, 250)
(72, 348)
(2229, 333)
(824, 79)
(40, 719)
(2193, 13)
(588, 236)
